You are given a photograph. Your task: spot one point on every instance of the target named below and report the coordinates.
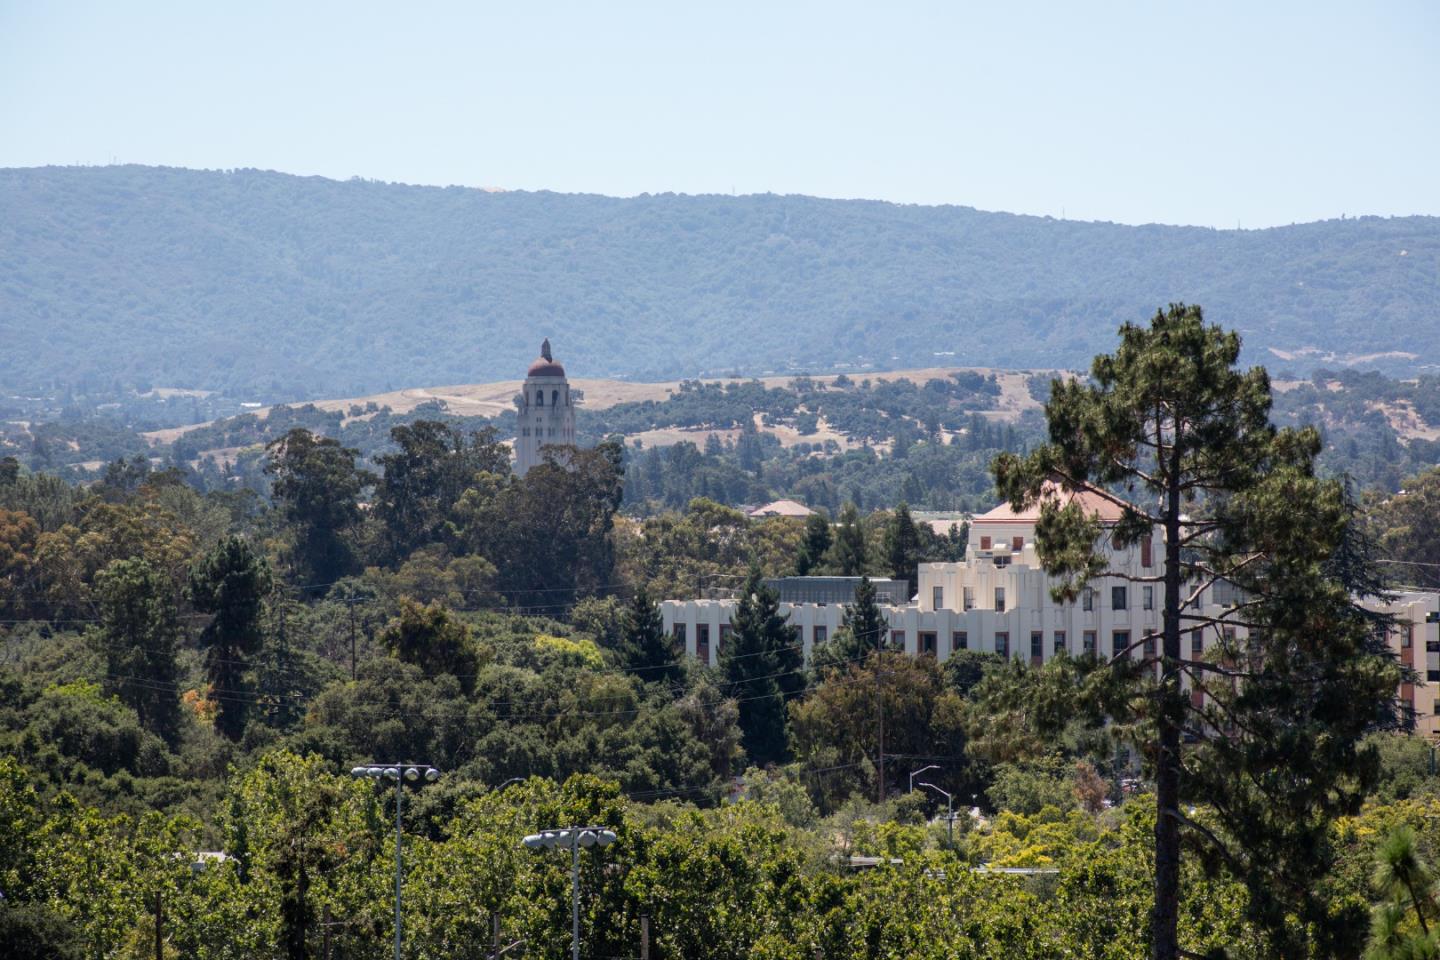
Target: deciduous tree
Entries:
(317, 486)
(139, 628)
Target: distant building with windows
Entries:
(997, 600)
(546, 409)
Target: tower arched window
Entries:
(539, 398)
(554, 398)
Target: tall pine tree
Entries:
(902, 547)
(647, 650)
(231, 583)
(763, 667)
(1292, 678)
(848, 552)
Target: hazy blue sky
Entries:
(1207, 113)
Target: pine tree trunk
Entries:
(1165, 944)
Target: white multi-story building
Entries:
(546, 411)
(997, 600)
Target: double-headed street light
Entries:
(915, 773)
(416, 774)
(572, 839)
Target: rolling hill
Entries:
(279, 287)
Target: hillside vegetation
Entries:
(279, 288)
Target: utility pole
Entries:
(352, 638)
(880, 714)
(644, 936)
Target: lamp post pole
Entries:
(574, 901)
(418, 774)
(949, 813)
(399, 866)
(572, 838)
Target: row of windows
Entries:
(554, 398)
(1018, 543)
(1119, 598)
(540, 432)
(1120, 644)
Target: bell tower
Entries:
(546, 411)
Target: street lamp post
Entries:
(418, 774)
(572, 839)
(916, 773)
(949, 813)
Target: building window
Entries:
(959, 640)
(1017, 543)
(1037, 646)
(937, 598)
(1087, 599)
(819, 635)
(1197, 645)
(984, 543)
(1407, 639)
(1145, 558)
(1002, 644)
(927, 644)
(539, 398)
(1147, 597)
(725, 630)
(1001, 560)
(1149, 648)
(1119, 643)
(969, 598)
(554, 398)
(678, 632)
(1089, 642)
(1059, 647)
(1118, 600)
(999, 599)
(702, 639)
(897, 639)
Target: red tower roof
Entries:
(545, 365)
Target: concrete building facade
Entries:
(997, 600)
(546, 409)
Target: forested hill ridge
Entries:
(282, 287)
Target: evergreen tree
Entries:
(1277, 736)
(761, 663)
(654, 656)
(814, 546)
(231, 582)
(848, 551)
(863, 631)
(902, 547)
(139, 628)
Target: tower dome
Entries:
(545, 365)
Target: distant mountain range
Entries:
(279, 287)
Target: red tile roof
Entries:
(1101, 507)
